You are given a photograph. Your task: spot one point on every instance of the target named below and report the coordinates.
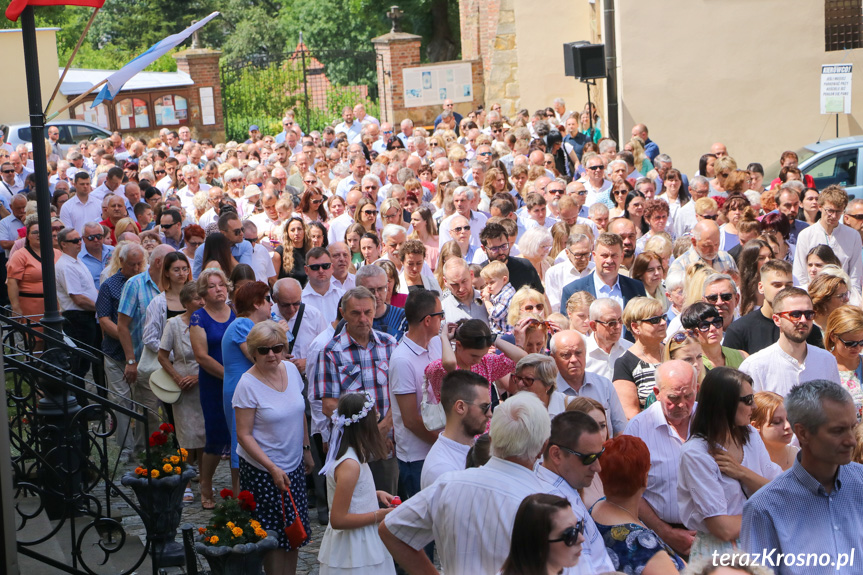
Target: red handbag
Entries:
(295, 532)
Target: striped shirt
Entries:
(469, 514)
(664, 444)
(795, 514)
(138, 292)
(345, 367)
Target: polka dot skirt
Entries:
(269, 509)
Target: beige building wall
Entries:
(741, 72)
(541, 30)
(13, 102)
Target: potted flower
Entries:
(158, 484)
(234, 543)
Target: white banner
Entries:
(836, 89)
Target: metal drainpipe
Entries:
(611, 69)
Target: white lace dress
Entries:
(355, 550)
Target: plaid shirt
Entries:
(138, 292)
(500, 308)
(344, 366)
(106, 306)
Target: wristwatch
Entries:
(131, 362)
(307, 448)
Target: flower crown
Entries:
(342, 421)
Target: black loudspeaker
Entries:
(584, 61)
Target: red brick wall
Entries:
(202, 65)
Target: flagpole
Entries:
(71, 58)
(77, 100)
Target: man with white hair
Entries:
(598, 188)
(705, 248)
(605, 344)
(192, 177)
(462, 198)
(560, 112)
(568, 350)
(470, 514)
(664, 427)
(407, 130)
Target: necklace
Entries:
(266, 380)
(628, 512)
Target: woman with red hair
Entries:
(633, 547)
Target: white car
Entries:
(829, 162)
(71, 132)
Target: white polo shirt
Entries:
(327, 304)
(444, 456)
(73, 278)
(407, 372)
(602, 363)
(74, 213)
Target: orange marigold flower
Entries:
(167, 468)
(202, 530)
(154, 474)
(214, 539)
(237, 531)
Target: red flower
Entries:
(161, 439)
(245, 494)
(152, 441)
(226, 493)
(167, 428)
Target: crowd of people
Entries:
(510, 345)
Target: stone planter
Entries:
(164, 497)
(246, 559)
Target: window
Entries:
(843, 24)
(132, 113)
(86, 133)
(839, 169)
(170, 110)
(99, 115)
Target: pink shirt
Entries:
(492, 366)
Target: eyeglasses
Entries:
(613, 324)
(484, 154)
(569, 536)
(843, 297)
(850, 343)
(316, 202)
(461, 229)
(265, 350)
(679, 337)
(537, 307)
(525, 381)
(586, 459)
(237, 232)
(267, 298)
(94, 237)
(858, 217)
(705, 325)
(310, 182)
(78, 241)
(714, 298)
(579, 255)
(747, 399)
(797, 314)
(159, 172)
(656, 320)
(497, 249)
(370, 212)
(195, 244)
(317, 267)
(8, 171)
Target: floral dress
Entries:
(851, 381)
(492, 366)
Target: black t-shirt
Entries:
(522, 272)
(299, 270)
(753, 332)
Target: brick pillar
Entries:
(396, 51)
(202, 65)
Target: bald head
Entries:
(718, 149)
(537, 158)
(157, 256)
(676, 385)
(674, 373)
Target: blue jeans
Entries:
(409, 478)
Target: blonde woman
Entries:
(447, 251)
(578, 310)
(843, 338)
(526, 301)
(642, 162)
(535, 246)
(635, 370)
(425, 230)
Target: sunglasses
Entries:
(596, 167)
(705, 325)
(484, 154)
(713, 217)
(613, 324)
(461, 229)
(714, 298)
(656, 320)
(169, 226)
(237, 232)
(555, 192)
(94, 237)
(316, 202)
(317, 267)
(586, 459)
(569, 536)
(679, 337)
(435, 314)
(525, 381)
(747, 399)
(8, 171)
(78, 241)
(857, 217)
(265, 350)
(370, 212)
(850, 343)
(797, 314)
(159, 172)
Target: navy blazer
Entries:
(629, 288)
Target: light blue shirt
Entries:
(242, 252)
(9, 227)
(599, 388)
(353, 131)
(795, 514)
(96, 265)
(603, 290)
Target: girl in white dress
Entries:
(351, 543)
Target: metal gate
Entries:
(316, 84)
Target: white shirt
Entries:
(559, 276)
(9, 227)
(187, 195)
(320, 422)
(845, 243)
(684, 220)
(602, 363)
(469, 514)
(266, 228)
(164, 185)
(353, 131)
(477, 223)
(74, 213)
(207, 218)
(349, 283)
(311, 326)
(73, 278)
(327, 304)
(102, 191)
(664, 444)
(703, 491)
(593, 194)
(593, 550)
(262, 263)
(444, 456)
(339, 227)
(407, 373)
(771, 369)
